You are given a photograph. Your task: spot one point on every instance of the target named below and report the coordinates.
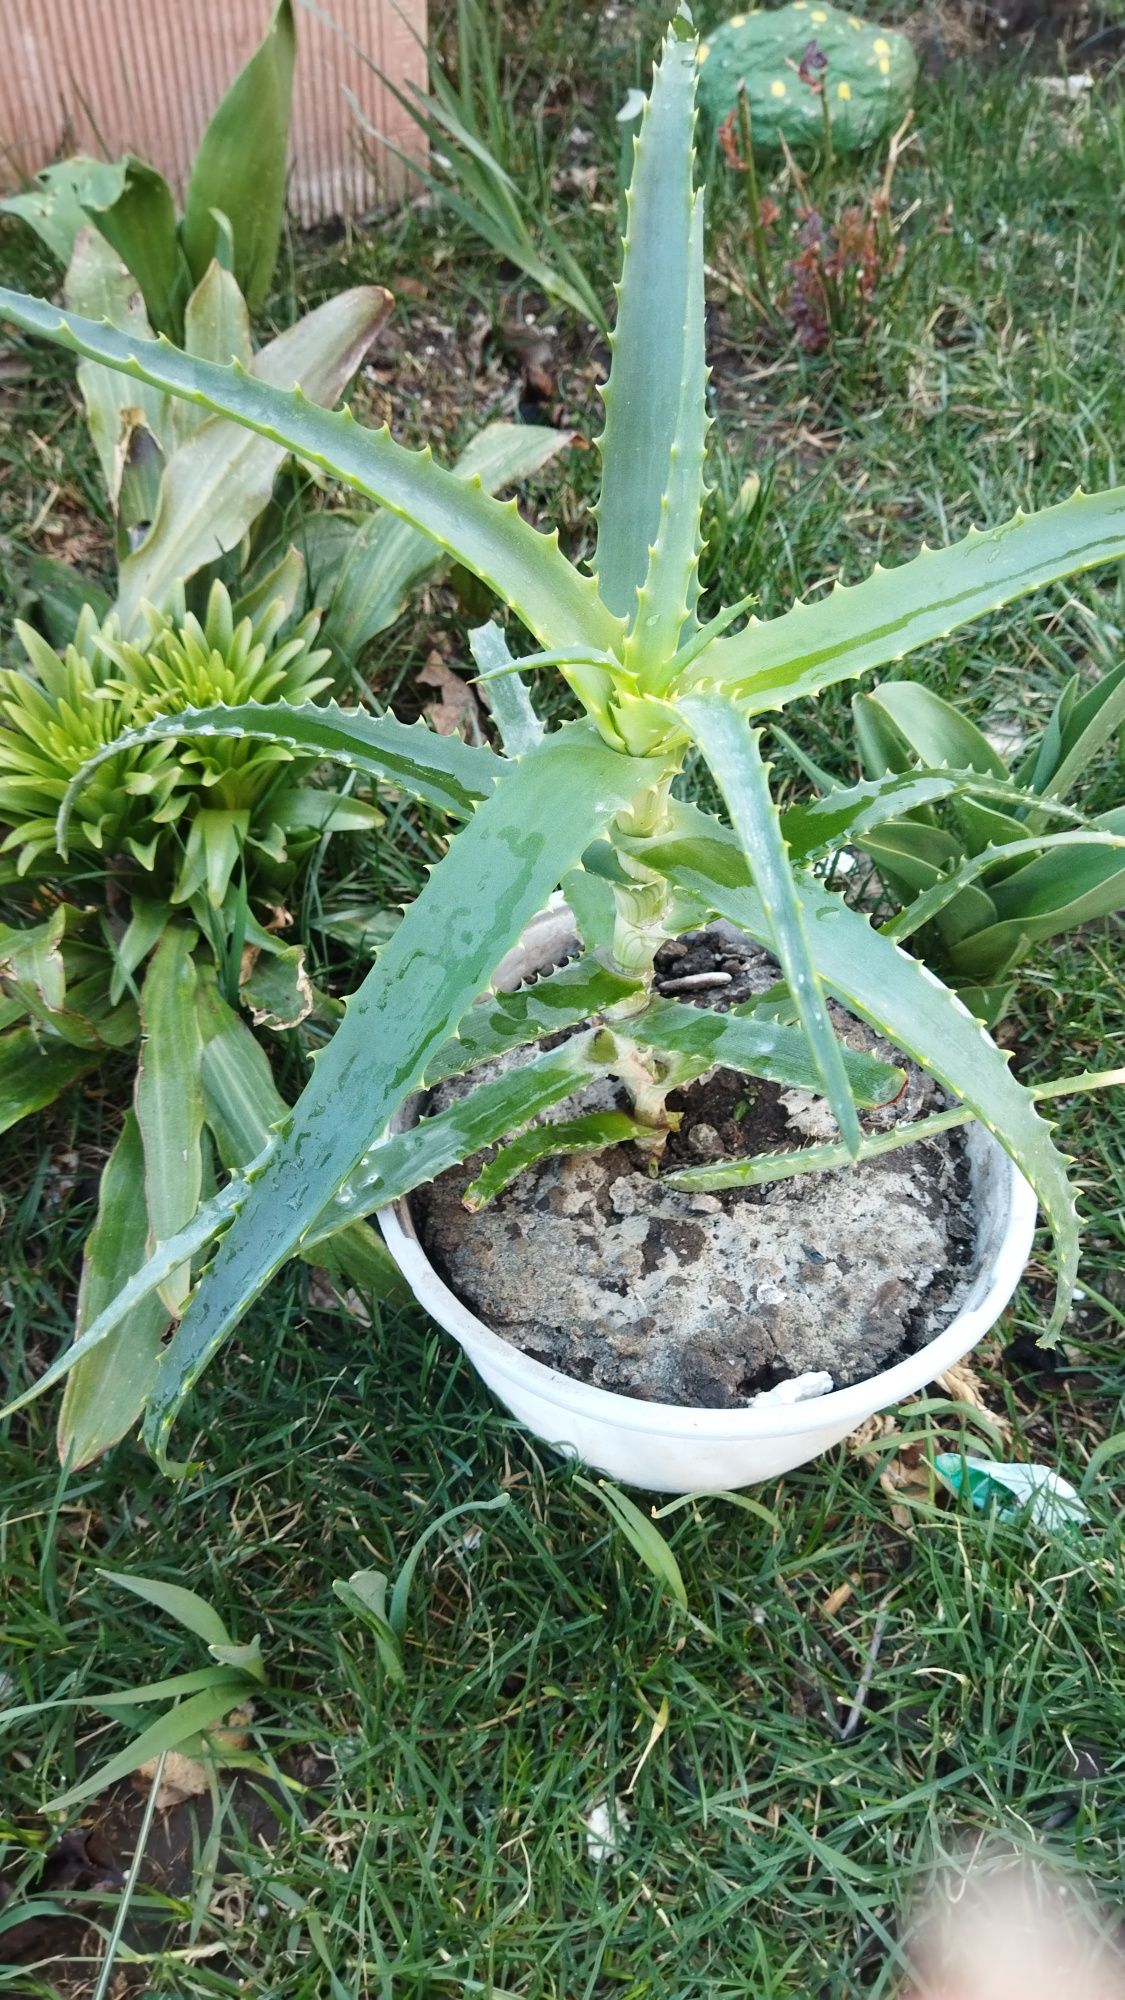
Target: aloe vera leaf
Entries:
(527, 569)
(733, 752)
(865, 625)
(440, 769)
(503, 1021)
(901, 1000)
(762, 1048)
(589, 1134)
(657, 343)
(544, 811)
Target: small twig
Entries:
(693, 982)
(855, 1712)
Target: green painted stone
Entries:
(868, 84)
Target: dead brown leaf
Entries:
(457, 712)
(962, 1385)
(186, 1777)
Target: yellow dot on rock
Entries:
(703, 51)
(819, 16)
(737, 21)
(884, 66)
(777, 88)
(844, 90)
(855, 22)
(881, 46)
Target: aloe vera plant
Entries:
(589, 805)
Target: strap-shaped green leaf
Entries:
(1107, 868)
(131, 204)
(105, 1393)
(899, 998)
(525, 568)
(865, 625)
(657, 363)
(733, 752)
(35, 1070)
(440, 769)
(240, 166)
(244, 1107)
(545, 810)
(169, 1095)
(763, 1048)
(936, 732)
(219, 481)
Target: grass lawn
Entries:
(430, 1837)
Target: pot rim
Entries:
(1003, 1198)
(1002, 1264)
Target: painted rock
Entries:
(868, 82)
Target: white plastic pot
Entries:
(665, 1447)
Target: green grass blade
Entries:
(758, 1047)
(866, 625)
(169, 1096)
(105, 1393)
(440, 769)
(901, 1000)
(545, 810)
(643, 1536)
(525, 568)
(733, 752)
(659, 314)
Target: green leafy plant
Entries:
(985, 880)
(589, 805)
(200, 1699)
(156, 923)
(467, 125)
(234, 209)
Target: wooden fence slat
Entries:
(115, 76)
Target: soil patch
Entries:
(590, 1265)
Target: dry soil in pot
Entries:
(590, 1265)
